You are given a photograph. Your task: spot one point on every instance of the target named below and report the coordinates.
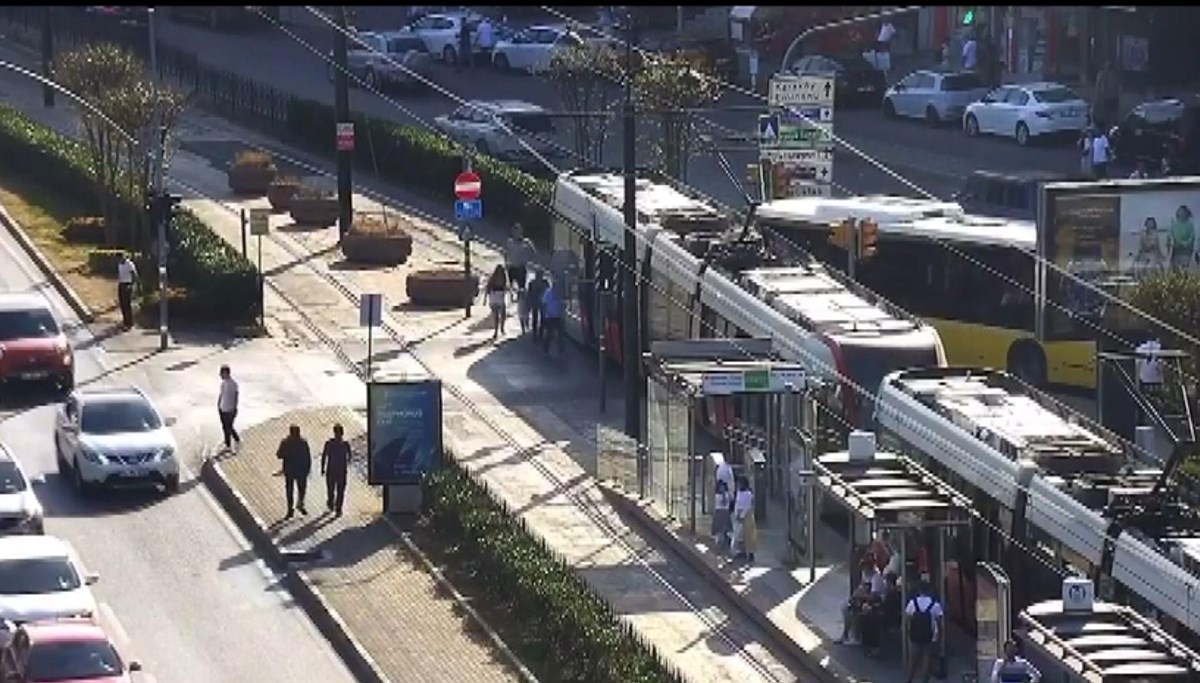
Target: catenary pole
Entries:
(631, 301)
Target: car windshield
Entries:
(11, 480)
(73, 660)
(1055, 95)
(27, 324)
(37, 575)
(961, 82)
(118, 417)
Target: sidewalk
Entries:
(524, 425)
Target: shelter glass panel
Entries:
(657, 442)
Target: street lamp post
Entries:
(788, 56)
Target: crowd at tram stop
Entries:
(734, 528)
(535, 292)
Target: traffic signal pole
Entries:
(161, 203)
(341, 102)
(631, 355)
(852, 249)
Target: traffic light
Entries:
(968, 16)
(868, 235)
(162, 207)
(841, 234)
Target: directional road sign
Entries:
(468, 209)
(370, 310)
(768, 129)
(801, 91)
(260, 221)
(467, 185)
(800, 155)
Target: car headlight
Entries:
(91, 456)
(165, 454)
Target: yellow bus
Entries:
(974, 278)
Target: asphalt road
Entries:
(178, 584)
(935, 160)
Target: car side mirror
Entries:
(38, 480)
(91, 579)
(135, 666)
(900, 87)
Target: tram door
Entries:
(993, 616)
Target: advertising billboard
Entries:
(404, 430)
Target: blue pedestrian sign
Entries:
(468, 209)
(768, 129)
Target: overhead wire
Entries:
(1193, 339)
(813, 360)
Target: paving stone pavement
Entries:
(388, 601)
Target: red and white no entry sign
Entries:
(467, 185)
(345, 137)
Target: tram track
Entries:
(719, 628)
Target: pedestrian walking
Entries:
(227, 407)
(465, 58)
(127, 277)
(485, 38)
(335, 466)
(745, 528)
(1101, 153)
(1085, 151)
(722, 521)
(970, 53)
(552, 322)
(518, 252)
(537, 290)
(296, 459)
(496, 293)
(922, 619)
(1013, 668)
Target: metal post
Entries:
(631, 348)
(243, 218)
(47, 56)
(852, 250)
(342, 115)
(466, 232)
(262, 286)
(679, 18)
(602, 346)
(370, 349)
(159, 191)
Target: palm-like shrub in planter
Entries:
(252, 172)
(313, 207)
(281, 191)
(441, 288)
(380, 240)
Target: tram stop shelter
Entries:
(887, 491)
(1081, 641)
(684, 447)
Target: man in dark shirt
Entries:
(335, 460)
(534, 294)
(297, 464)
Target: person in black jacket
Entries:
(296, 457)
(335, 461)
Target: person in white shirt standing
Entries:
(485, 38)
(227, 407)
(127, 277)
(883, 46)
(1100, 152)
(970, 50)
(745, 532)
(923, 622)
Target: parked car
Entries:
(532, 48)
(935, 96)
(114, 438)
(127, 14)
(387, 59)
(1027, 111)
(440, 32)
(20, 510)
(1161, 129)
(33, 347)
(220, 17)
(1006, 195)
(856, 81)
(60, 651)
(485, 125)
(42, 577)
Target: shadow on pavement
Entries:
(60, 499)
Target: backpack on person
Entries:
(920, 623)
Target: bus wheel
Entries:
(1027, 363)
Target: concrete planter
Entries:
(251, 180)
(379, 249)
(314, 211)
(281, 196)
(443, 288)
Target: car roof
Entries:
(23, 301)
(1037, 176)
(1038, 86)
(546, 27)
(507, 106)
(107, 394)
(31, 547)
(65, 630)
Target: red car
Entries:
(32, 345)
(74, 650)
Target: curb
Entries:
(809, 660)
(56, 280)
(327, 621)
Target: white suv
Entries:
(114, 438)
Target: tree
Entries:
(1173, 297)
(114, 82)
(583, 76)
(668, 87)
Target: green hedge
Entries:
(569, 630)
(84, 230)
(427, 162)
(221, 284)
